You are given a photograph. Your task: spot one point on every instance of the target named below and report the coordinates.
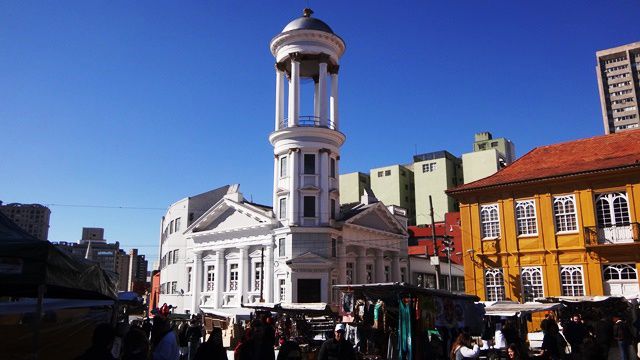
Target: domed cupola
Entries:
(306, 22)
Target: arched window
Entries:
(532, 283)
(564, 209)
(526, 217)
(494, 284)
(490, 221)
(619, 272)
(572, 283)
(612, 209)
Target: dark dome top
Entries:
(306, 22)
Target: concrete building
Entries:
(93, 246)
(32, 218)
(434, 173)
(137, 278)
(352, 186)
(235, 251)
(485, 141)
(618, 72)
(489, 155)
(560, 221)
(394, 185)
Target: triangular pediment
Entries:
(228, 216)
(309, 260)
(378, 217)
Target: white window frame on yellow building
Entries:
(526, 218)
(557, 198)
(495, 233)
(564, 268)
(494, 272)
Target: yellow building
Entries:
(560, 221)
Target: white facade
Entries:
(306, 243)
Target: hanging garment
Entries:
(404, 330)
(392, 354)
(377, 315)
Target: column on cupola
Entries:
(294, 90)
(321, 91)
(334, 97)
(324, 186)
(379, 277)
(197, 282)
(279, 97)
(395, 268)
(219, 279)
(243, 272)
(268, 274)
(292, 203)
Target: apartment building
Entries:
(32, 218)
(618, 71)
(352, 186)
(394, 185)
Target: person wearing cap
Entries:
(337, 348)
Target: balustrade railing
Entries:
(611, 235)
(309, 121)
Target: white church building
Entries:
(219, 250)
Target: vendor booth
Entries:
(498, 313)
(306, 323)
(47, 298)
(401, 321)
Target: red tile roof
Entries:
(569, 158)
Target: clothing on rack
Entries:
(404, 329)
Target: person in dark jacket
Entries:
(622, 334)
(136, 345)
(257, 344)
(604, 333)
(575, 332)
(101, 343)
(337, 348)
(212, 348)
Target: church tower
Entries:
(306, 146)
(306, 141)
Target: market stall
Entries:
(401, 321)
(48, 296)
(498, 313)
(306, 323)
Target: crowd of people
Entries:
(163, 339)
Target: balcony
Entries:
(309, 121)
(595, 236)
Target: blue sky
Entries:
(142, 103)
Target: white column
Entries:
(219, 278)
(395, 268)
(292, 201)
(243, 273)
(379, 266)
(342, 262)
(197, 282)
(334, 100)
(268, 274)
(322, 93)
(294, 92)
(324, 187)
(361, 267)
(279, 98)
(276, 177)
(316, 103)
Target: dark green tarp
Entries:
(27, 262)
